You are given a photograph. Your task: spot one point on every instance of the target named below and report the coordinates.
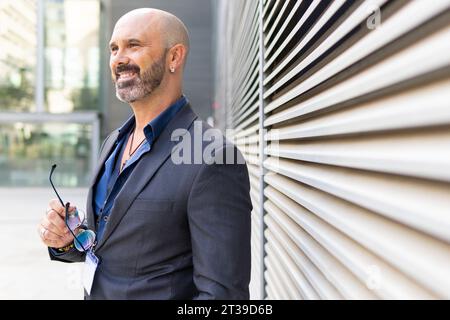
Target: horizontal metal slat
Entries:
(248, 18)
(421, 107)
(296, 275)
(267, 5)
(388, 31)
(424, 154)
(254, 184)
(275, 23)
(390, 196)
(246, 132)
(256, 233)
(284, 286)
(251, 159)
(345, 281)
(271, 14)
(317, 279)
(251, 139)
(248, 103)
(269, 293)
(244, 70)
(267, 53)
(251, 106)
(275, 286)
(254, 170)
(281, 272)
(389, 72)
(256, 245)
(255, 200)
(326, 16)
(248, 121)
(405, 255)
(252, 149)
(248, 31)
(249, 80)
(255, 203)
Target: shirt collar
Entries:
(154, 128)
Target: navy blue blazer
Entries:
(176, 231)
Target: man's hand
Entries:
(52, 228)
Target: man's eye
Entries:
(114, 49)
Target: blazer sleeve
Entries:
(219, 215)
(73, 255)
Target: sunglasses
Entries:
(84, 239)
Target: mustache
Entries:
(127, 67)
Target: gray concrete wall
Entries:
(198, 80)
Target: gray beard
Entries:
(139, 88)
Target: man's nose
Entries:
(119, 59)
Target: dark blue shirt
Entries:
(111, 182)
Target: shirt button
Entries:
(106, 218)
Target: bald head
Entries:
(148, 54)
(171, 29)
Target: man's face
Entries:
(137, 60)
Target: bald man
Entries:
(157, 228)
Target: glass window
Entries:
(70, 82)
(18, 20)
(27, 152)
(72, 56)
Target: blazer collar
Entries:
(142, 173)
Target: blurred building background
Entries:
(341, 108)
(57, 100)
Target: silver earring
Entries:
(172, 69)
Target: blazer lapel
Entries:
(106, 151)
(145, 169)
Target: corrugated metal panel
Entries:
(358, 138)
(242, 72)
(356, 174)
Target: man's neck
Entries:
(149, 108)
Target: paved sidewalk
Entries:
(25, 269)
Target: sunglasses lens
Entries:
(75, 218)
(85, 239)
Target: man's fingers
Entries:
(52, 228)
(60, 229)
(53, 241)
(48, 235)
(56, 206)
(54, 218)
(60, 211)
(68, 238)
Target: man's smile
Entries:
(127, 72)
(125, 76)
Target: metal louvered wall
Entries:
(239, 60)
(342, 109)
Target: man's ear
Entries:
(177, 56)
